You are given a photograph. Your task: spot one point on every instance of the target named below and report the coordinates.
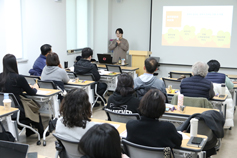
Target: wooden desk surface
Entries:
(40, 156)
(4, 112)
(50, 92)
(189, 111)
(122, 67)
(235, 86)
(112, 75)
(80, 83)
(232, 76)
(122, 128)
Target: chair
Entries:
(71, 75)
(169, 81)
(15, 104)
(178, 74)
(114, 68)
(139, 151)
(47, 84)
(70, 148)
(90, 77)
(31, 79)
(119, 117)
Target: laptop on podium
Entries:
(105, 59)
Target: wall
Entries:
(2, 36)
(44, 21)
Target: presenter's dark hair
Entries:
(86, 52)
(101, 141)
(152, 104)
(9, 66)
(76, 108)
(52, 59)
(119, 30)
(125, 84)
(214, 65)
(151, 65)
(46, 48)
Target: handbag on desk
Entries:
(5, 135)
(31, 108)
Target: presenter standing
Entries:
(119, 46)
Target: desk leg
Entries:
(90, 93)
(234, 97)
(11, 126)
(134, 75)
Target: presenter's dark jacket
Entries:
(153, 133)
(84, 66)
(197, 86)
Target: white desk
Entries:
(6, 114)
(110, 79)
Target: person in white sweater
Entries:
(75, 117)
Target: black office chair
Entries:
(15, 104)
(178, 74)
(169, 81)
(31, 79)
(90, 77)
(114, 68)
(119, 117)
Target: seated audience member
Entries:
(75, 117)
(84, 66)
(147, 81)
(41, 60)
(216, 77)
(197, 85)
(122, 100)
(12, 82)
(53, 71)
(149, 131)
(101, 140)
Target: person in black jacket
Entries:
(149, 131)
(12, 82)
(84, 66)
(122, 100)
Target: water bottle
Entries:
(7, 102)
(222, 89)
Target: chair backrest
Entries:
(114, 68)
(139, 151)
(178, 74)
(175, 83)
(71, 75)
(12, 97)
(88, 77)
(71, 148)
(31, 79)
(47, 84)
(119, 117)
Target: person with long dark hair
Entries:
(149, 131)
(122, 100)
(101, 141)
(12, 82)
(75, 117)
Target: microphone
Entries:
(116, 42)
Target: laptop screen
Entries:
(13, 149)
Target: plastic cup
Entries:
(170, 88)
(7, 104)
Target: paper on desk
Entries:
(115, 125)
(71, 68)
(184, 135)
(169, 105)
(105, 72)
(40, 92)
(124, 134)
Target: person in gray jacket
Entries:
(53, 70)
(147, 81)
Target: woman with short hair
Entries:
(53, 70)
(101, 141)
(122, 100)
(150, 131)
(197, 85)
(75, 117)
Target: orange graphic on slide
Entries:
(173, 18)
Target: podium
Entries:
(138, 59)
